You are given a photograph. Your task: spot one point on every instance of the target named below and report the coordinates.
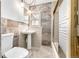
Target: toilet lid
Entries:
(16, 52)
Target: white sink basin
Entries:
(28, 39)
(28, 31)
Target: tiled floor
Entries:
(43, 52)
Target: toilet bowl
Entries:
(7, 49)
(16, 52)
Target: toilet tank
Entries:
(6, 42)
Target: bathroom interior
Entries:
(36, 29)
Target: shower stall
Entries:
(46, 24)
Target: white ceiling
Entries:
(37, 2)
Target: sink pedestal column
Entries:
(29, 41)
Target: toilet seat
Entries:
(17, 52)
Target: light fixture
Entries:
(29, 2)
(29, 12)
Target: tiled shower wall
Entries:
(9, 26)
(45, 11)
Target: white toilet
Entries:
(7, 50)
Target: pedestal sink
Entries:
(29, 33)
